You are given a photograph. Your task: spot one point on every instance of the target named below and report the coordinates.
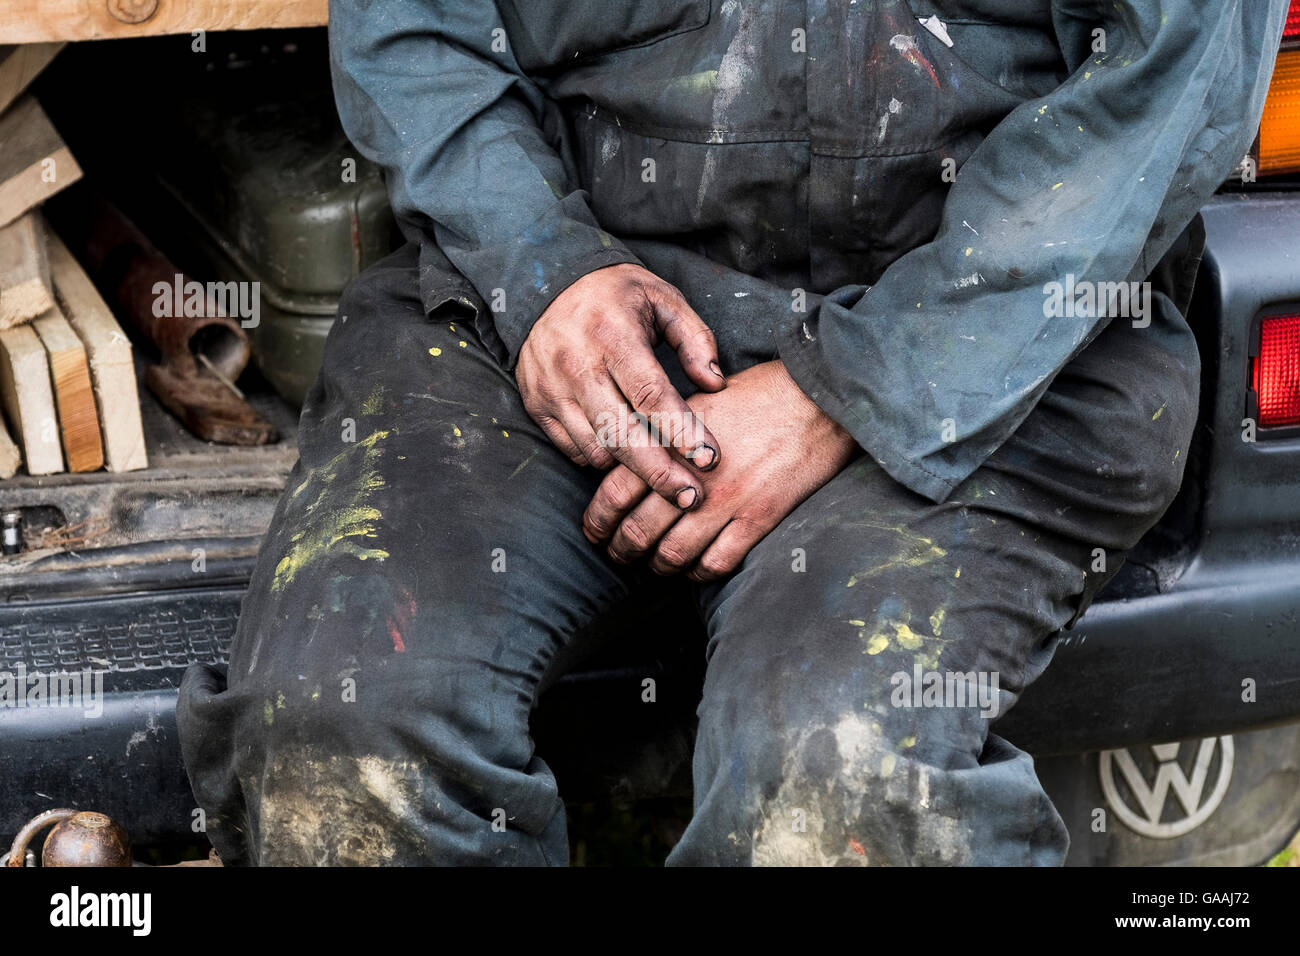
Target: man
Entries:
(822, 246)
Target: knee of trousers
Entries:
(860, 788)
(331, 757)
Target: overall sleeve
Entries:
(429, 90)
(1093, 181)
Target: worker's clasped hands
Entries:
(671, 494)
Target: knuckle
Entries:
(634, 533)
(648, 394)
(704, 337)
(597, 525)
(670, 554)
(716, 565)
(569, 364)
(620, 489)
(660, 476)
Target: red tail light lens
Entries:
(1292, 29)
(1277, 370)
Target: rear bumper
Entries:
(1211, 656)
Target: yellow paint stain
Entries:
(338, 529)
(504, 433)
(462, 343)
(451, 326)
(455, 431)
(375, 402)
(917, 551)
(929, 662)
(969, 250)
(279, 701)
(1159, 411)
(268, 714)
(908, 741)
(907, 638)
(315, 694)
(1087, 74)
(435, 351)
(957, 573)
(936, 621)
(1058, 186)
(887, 763)
(857, 623)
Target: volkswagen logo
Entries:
(1149, 783)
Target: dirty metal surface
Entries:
(194, 494)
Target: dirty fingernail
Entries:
(686, 498)
(703, 456)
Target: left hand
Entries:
(781, 447)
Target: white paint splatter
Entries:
(608, 146)
(895, 107)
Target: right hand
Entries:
(590, 354)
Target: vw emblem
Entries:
(1192, 806)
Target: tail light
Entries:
(1279, 127)
(1275, 376)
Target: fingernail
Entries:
(686, 498)
(702, 455)
(716, 369)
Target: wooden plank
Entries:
(74, 398)
(19, 65)
(28, 401)
(44, 21)
(10, 457)
(112, 371)
(24, 272)
(34, 163)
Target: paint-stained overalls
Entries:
(880, 203)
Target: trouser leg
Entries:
(817, 742)
(424, 569)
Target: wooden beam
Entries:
(34, 163)
(24, 272)
(28, 401)
(74, 398)
(10, 457)
(19, 66)
(112, 370)
(47, 21)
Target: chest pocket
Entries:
(554, 33)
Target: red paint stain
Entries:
(399, 620)
(907, 46)
(857, 847)
(398, 644)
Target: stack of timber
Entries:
(67, 380)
